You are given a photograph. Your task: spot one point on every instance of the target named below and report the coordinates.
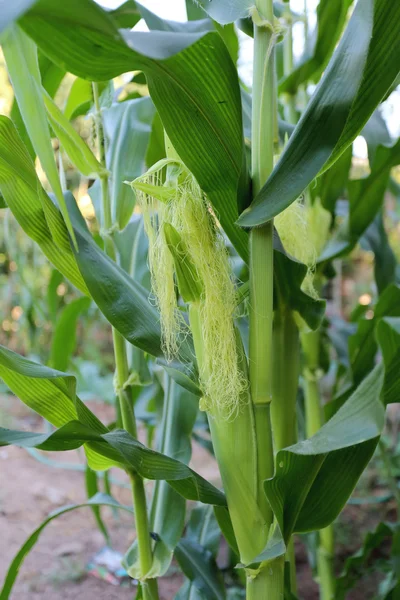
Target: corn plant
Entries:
(236, 195)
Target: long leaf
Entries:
(23, 67)
(127, 127)
(314, 478)
(52, 395)
(331, 16)
(125, 304)
(12, 573)
(168, 508)
(77, 150)
(199, 566)
(26, 199)
(64, 337)
(83, 38)
(362, 69)
(131, 453)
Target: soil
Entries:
(55, 568)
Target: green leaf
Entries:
(314, 478)
(30, 204)
(127, 15)
(331, 17)
(362, 69)
(12, 573)
(76, 149)
(121, 447)
(366, 196)
(83, 38)
(127, 128)
(51, 76)
(376, 240)
(124, 302)
(388, 336)
(194, 11)
(51, 394)
(23, 67)
(288, 278)
(226, 11)
(11, 11)
(92, 489)
(358, 562)
(80, 98)
(64, 337)
(168, 508)
(198, 564)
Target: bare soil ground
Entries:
(55, 568)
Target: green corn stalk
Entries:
(149, 586)
(310, 343)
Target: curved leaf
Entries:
(23, 67)
(199, 566)
(314, 478)
(168, 508)
(52, 394)
(26, 199)
(64, 337)
(131, 453)
(362, 69)
(83, 38)
(388, 336)
(127, 127)
(12, 573)
(331, 17)
(76, 149)
(125, 303)
(366, 196)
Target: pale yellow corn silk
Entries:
(222, 379)
(161, 265)
(303, 230)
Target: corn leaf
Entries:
(76, 149)
(52, 394)
(314, 478)
(96, 501)
(64, 337)
(127, 127)
(168, 508)
(30, 204)
(366, 196)
(23, 67)
(51, 76)
(127, 15)
(362, 69)
(203, 531)
(199, 566)
(331, 17)
(226, 11)
(376, 240)
(130, 453)
(92, 488)
(388, 336)
(360, 561)
(125, 303)
(83, 38)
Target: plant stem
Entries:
(150, 590)
(290, 104)
(314, 419)
(286, 366)
(269, 582)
